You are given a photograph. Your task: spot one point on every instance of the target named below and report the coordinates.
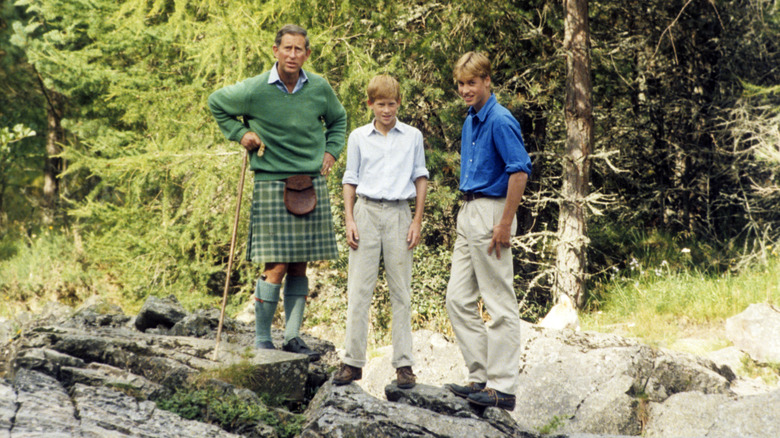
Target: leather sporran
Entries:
(299, 195)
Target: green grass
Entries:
(659, 305)
(40, 267)
(228, 412)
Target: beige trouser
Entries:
(382, 228)
(492, 351)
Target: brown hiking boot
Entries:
(347, 374)
(405, 378)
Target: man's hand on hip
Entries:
(327, 164)
(251, 141)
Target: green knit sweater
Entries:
(297, 128)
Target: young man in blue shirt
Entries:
(385, 170)
(494, 170)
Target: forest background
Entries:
(115, 181)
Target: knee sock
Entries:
(295, 291)
(266, 298)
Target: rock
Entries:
(98, 374)
(91, 373)
(348, 411)
(247, 313)
(562, 316)
(159, 313)
(578, 381)
(43, 407)
(433, 398)
(95, 313)
(694, 413)
(168, 360)
(7, 408)
(755, 330)
(6, 330)
(202, 324)
(596, 383)
(437, 362)
(442, 401)
(729, 356)
(103, 411)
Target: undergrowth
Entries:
(656, 303)
(228, 412)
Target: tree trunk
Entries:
(53, 164)
(573, 241)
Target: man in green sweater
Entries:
(295, 119)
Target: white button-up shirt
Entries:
(385, 167)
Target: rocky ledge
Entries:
(96, 372)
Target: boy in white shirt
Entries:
(385, 170)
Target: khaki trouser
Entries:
(382, 228)
(492, 351)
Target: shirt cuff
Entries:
(349, 178)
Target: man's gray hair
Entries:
(291, 29)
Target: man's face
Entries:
(385, 111)
(474, 90)
(291, 54)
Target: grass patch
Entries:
(41, 267)
(768, 372)
(228, 412)
(241, 374)
(658, 304)
(553, 425)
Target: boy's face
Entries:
(474, 90)
(385, 111)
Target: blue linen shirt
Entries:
(491, 148)
(274, 78)
(385, 167)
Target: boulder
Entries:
(202, 324)
(348, 411)
(755, 331)
(93, 373)
(438, 361)
(168, 360)
(159, 313)
(561, 316)
(570, 382)
(694, 413)
(43, 407)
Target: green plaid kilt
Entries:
(276, 235)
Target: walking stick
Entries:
(230, 257)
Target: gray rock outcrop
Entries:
(577, 383)
(697, 414)
(756, 331)
(348, 411)
(36, 404)
(95, 373)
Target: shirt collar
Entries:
(482, 114)
(397, 127)
(274, 78)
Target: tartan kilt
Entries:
(278, 236)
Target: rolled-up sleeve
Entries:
(509, 142)
(353, 161)
(419, 170)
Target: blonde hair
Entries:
(472, 65)
(383, 87)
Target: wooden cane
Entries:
(230, 257)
